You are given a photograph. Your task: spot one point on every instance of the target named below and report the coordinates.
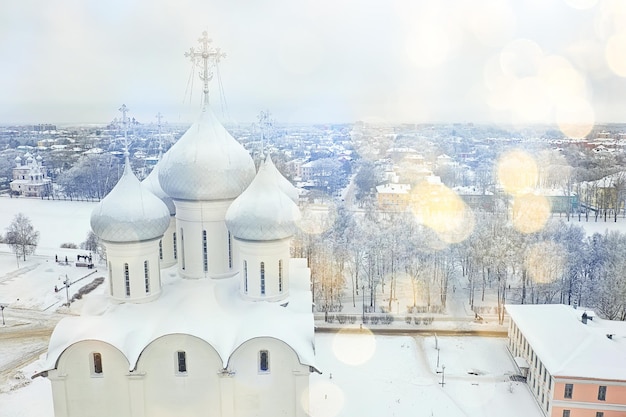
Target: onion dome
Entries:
(152, 183)
(263, 211)
(130, 213)
(206, 163)
(283, 183)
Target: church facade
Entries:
(206, 313)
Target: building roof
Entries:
(211, 310)
(206, 163)
(393, 188)
(130, 213)
(263, 211)
(569, 348)
(151, 182)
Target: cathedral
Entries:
(205, 312)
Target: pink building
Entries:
(574, 362)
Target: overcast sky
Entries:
(317, 60)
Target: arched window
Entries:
(245, 277)
(230, 251)
(264, 361)
(110, 278)
(161, 249)
(280, 275)
(262, 278)
(182, 247)
(127, 280)
(175, 248)
(96, 363)
(146, 276)
(205, 254)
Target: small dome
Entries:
(152, 183)
(263, 211)
(283, 183)
(206, 163)
(130, 213)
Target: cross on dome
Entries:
(206, 57)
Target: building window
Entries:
(569, 390)
(110, 278)
(175, 247)
(127, 280)
(264, 361)
(96, 359)
(160, 249)
(262, 278)
(181, 362)
(146, 276)
(245, 277)
(205, 254)
(230, 251)
(599, 413)
(602, 392)
(280, 275)
(565, 413)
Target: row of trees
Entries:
(364, 254)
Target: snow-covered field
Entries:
(363, 375)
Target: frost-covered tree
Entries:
(21, 236)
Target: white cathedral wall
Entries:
(270, 253)
(134, 254)
(167, 245)
(280, 391)
(78, 391)
(168, 392)
(192, 217)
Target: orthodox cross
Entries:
(206, 57)
(125, 110)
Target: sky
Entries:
(311, 61)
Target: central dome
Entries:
(206, 163)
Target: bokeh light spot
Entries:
(354, 349)
(517, 172)
(615, 56)
(575, 117)
(324, 399)
(545, 262)
(530, 212)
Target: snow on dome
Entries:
(206, 163)
(283, 183)
(263, 211)
(152, 183)
(130, 213)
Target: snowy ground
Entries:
(371, 375)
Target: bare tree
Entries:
(21, 236)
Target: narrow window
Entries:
(175, 247)
(600, 414)
(262, 278)
(569, 390)
(97, 363)
(182, 246)
(565, 413)
(245, 277)
(549, 384)
(205, 254)
(264, 361)
(181, 361)
(602, 392)
(280, 275)
(146, 276)
(230, 251)
(110, 278)
(127, 280)
(161, 249)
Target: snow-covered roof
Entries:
(393, 188)
(130, 213)
(206, 163)
(151, 182)
(283, 183)
(569, 348)
(211, 310)
(263, 211)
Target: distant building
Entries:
(29, 179)
(575, 362)
(393, 197)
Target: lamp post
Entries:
(443, 374)
(2, 306)
(67, 289)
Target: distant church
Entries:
(29, 177)
(206, 313)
